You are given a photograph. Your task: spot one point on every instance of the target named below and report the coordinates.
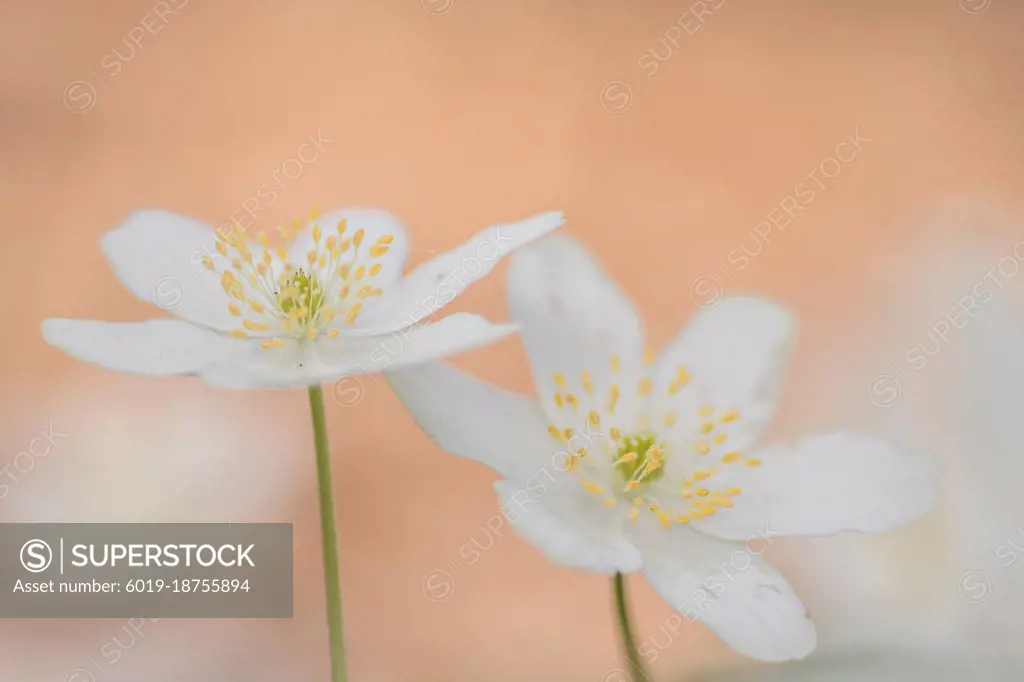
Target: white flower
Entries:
(655, 464)
(258, 315)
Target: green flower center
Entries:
(302, 298)
(639, 458)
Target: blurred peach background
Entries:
(672, 134)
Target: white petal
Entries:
(729, 588)
(472, 418)
(154, 347)
(158, 255)
(736, 354)
(434, 284)
(310, 364)
(822, 485)
(570, 526)
(573, 318)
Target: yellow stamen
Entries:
(272, 343)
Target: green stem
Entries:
(628, 641)
(332, 583)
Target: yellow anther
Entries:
(708, 511)
(613, 397)
(719, 439)
(683, 519)
(701, 474)
(732, 456)
(616, 363)
(332, 242)
(282, 253)
(571, 462)
(342, 224)
(357, 238)
(705, 410)
(571, 399)
(254, 326)
(651, 466)
(594, 418)
(653, 507)
(615, 433)
(239, 334)
(655, 452)
(686, 493)
(333, 333)
(732, 491)
(720, 501)
(706, 427)
(261, 268)
(316, 234)
(665, 522)
(385, 239)
(374, 269)
(632, 485)
(634, 515)
(588, 384)
(208, 262)
(753, 462)
(377, 251)
(559, 379)
(639, 501)
(344, 244)
(221, 249)
(272, 343)
(669, 419)
(627, 458)
(364, 291)
(360, 271)
(328, 314)
(559, 400)
(702, 492)
(643, 387)
(555, 432)
(701, 448)
(350, 317)
(234, 309)
(592, 487)
(567, 433)
(311, 257)
(731, 415)
(609, 502)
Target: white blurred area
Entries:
(940, 369)
(155, 451)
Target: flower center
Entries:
(275, 299)
(639, 460)
(631, 466)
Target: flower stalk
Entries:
(332, 581)
(626, 630)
